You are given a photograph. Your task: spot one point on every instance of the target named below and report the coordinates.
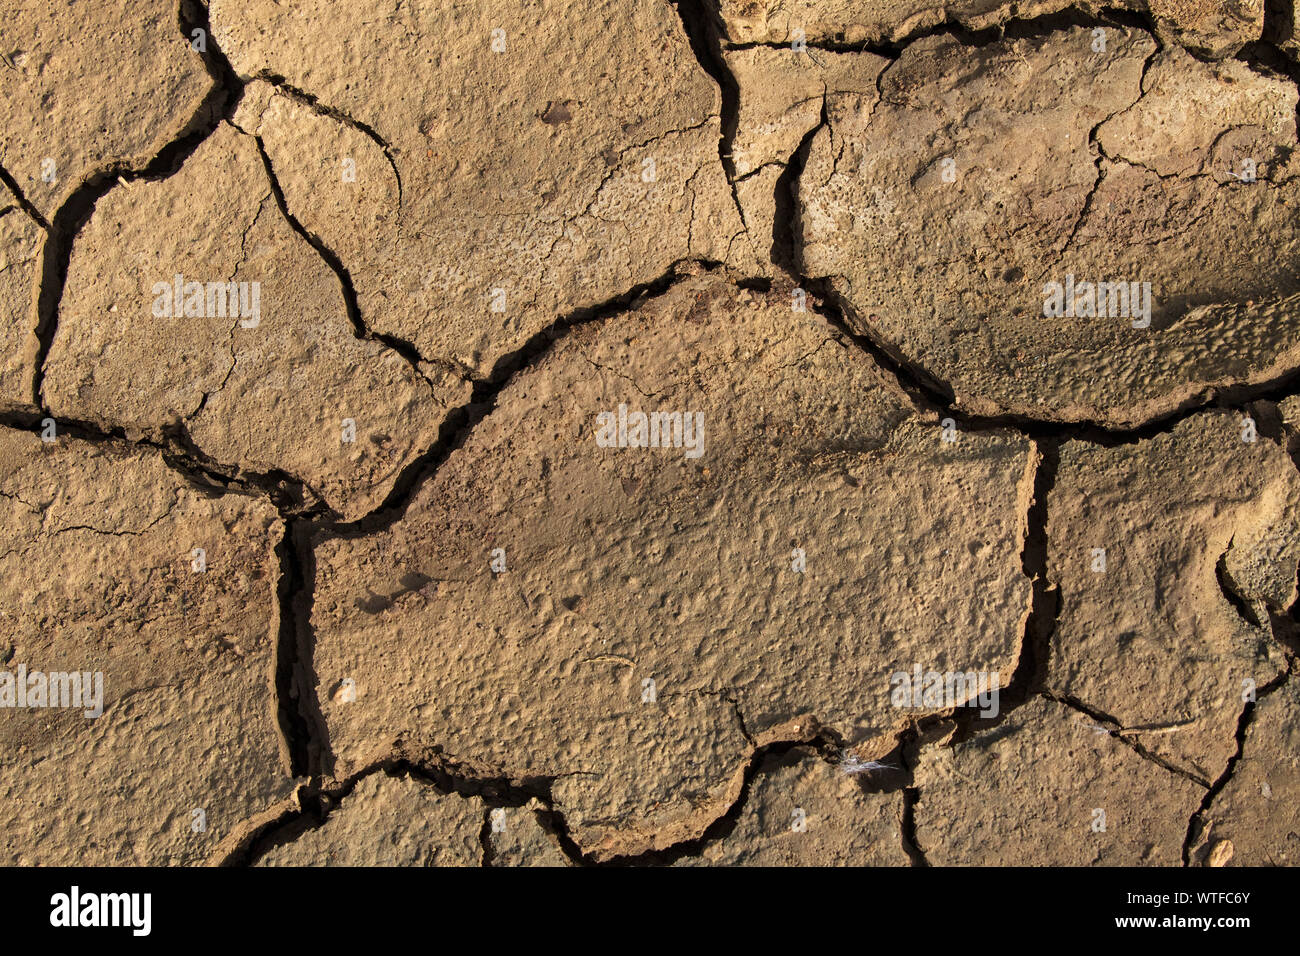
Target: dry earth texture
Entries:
(695, 432)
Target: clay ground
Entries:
(710, 432)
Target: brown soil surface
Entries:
(674, 432)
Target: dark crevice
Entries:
(246, 849)
(555, 827)
(1196, 826)
(1270, 62)
(32, 212)
(704, 31)
(461, 421)
(1279, 22)
(294, 701)
(318, 799)
(881, 48)
(899, 776)
(76, 210)
(194, 16)
(402, 347)
(923, 389)
(907, 827)
(285, 493)
(755, 284)
(721, 827)
(1030, 675)
(1283, 623)
(1013, 28)
(740, 718)
(1268, 57)
(485, 838)
(436, 768)
(928, 391)
(1285, 627)
(1018, 28)
(929, 394)
(1264, 56)
(313, 747)
(1100, 157)
(291, 495)
(785, 222)
(1232, 592)
(1115, 730)
(962, 724)
(310, 101)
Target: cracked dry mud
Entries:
(697, 433)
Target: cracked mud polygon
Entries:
(693, 433)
